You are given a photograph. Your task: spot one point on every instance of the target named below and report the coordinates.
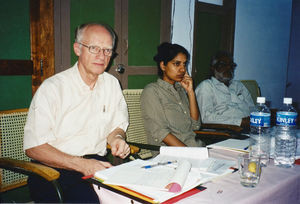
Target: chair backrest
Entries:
(12, 124)
(253, 88)
(136, 130)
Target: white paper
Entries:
(152, 182)
(232, 144)
(181, 173)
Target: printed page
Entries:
(194, 155)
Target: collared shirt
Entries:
(221, 104)
(66, 114)
(165, 110)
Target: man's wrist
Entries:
(120, 136)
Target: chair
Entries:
(136, 134)
(14, 164)
(232, 131)
(253, 88)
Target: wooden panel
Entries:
(16, 67)
(42, 40)
(143, 32)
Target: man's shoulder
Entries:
(237, 83)
(109, 77)
(203, 84)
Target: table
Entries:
(277, 185)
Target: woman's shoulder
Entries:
(150, 87)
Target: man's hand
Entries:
(187, 83)
(92, 165)
(119, 147)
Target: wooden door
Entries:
(141, 27)
(214, 30)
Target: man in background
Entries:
(74, 115)
(221, 99)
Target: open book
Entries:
(166, 178)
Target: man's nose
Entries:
(100, 54)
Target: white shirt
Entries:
(221, 104)
(66, 114)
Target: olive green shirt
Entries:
(165, 110)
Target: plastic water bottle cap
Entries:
(287, 100)
(260, 99)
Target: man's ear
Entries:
(162, 66)
(76, 48)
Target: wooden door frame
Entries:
(228, 5)
(121, 13)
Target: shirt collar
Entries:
(217, 82)
(168, 86)
(82, 85)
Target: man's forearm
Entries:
(53, 157)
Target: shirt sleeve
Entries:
(120, 118)
(39, 125)
(210, 111)
(155, 122)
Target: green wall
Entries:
(83, 11)
(15, 44)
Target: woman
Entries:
(169, 106)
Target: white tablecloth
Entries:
(277, 185)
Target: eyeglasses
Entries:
(221, 64)
(96, 49)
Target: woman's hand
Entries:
(187, 83)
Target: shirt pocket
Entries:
(176, 117)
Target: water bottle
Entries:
(260, 120)
(298, 144)
(285, 138)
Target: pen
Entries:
(246, 148)
(158, 164)
(234, 169)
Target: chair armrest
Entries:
(145, 146)
(212, 132)
(133, 149)
(233, 128)
(29, 168)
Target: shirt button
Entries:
(179, 103)
(184, 112)
(155, 140)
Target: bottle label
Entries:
(286, 118)
(260, 119)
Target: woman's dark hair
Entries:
(168, 51)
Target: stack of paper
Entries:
(232, 145)
(162, 182)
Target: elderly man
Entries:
(74, 115)
(221, 99)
